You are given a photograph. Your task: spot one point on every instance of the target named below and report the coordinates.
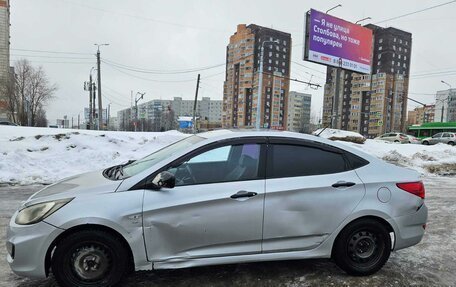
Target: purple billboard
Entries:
(335, 42)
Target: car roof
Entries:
(217, 135)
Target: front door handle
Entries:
(243, 193)
(343, 184)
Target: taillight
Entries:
(416, 188)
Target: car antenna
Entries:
(322, 130)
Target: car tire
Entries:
(362, 247)
(396, 141)
(90, 258)
(451, 143)
(426, 143)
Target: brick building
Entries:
(240, 92)
(377, 103)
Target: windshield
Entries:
(161, 154)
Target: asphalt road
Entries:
(430, 263)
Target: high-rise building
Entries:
(5, 74)
(377, 103)
(445, 106)
(242, 78)
(298, 116)
(421, 115)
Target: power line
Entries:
(52, 57)
(294, 80)
(49, 62)
(299, 64)
(144, 18)
(150, 71)
(147, 79)
(416, 12)
(51, 52)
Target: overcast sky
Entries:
(177, 35)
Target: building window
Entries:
(380, 48)
(380, 40)
(395, 39)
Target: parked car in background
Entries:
(6, 123)
(394, 137)
(220, 198)
(446, 138)
(413, 140)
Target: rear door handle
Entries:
(243, 193)
(343, 184)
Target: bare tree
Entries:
(32, 92)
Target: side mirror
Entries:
(164, 179)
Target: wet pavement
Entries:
(430, 263)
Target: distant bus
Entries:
(430, 129)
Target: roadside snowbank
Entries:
(437, 159)
(340, 135)
(45, 155)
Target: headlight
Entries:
(37, 212)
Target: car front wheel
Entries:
(426, 143)
(362, 248)
(89, 258)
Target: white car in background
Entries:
(394, 137)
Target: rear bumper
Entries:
(409, 229)
(27, 246)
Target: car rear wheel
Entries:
(396, 141)
(426, 143)
(89, 258)
(362, 248)
(451, 143)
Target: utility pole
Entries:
(94, 95)
(136, 107)
(88, 87)
(108, 115)
(194, 104)
(78, 121)
(100, 108)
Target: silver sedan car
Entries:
(447, 138)
(219, 198)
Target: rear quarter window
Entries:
(286, 160)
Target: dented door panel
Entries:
(203, 220)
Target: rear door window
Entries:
(287, 160)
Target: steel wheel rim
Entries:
(363, 247)
(91, 262)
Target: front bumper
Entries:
(27, 246)
(409, 229)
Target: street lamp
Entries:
(447, 99)
(339, 5)
(260, 84)
(367, 18)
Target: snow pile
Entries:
(340, 135)
(437, 159)
(45, 155)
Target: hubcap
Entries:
(90, 262)
(362, 246)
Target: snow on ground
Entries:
(334, 134)
(45, 155)
(439, 159)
